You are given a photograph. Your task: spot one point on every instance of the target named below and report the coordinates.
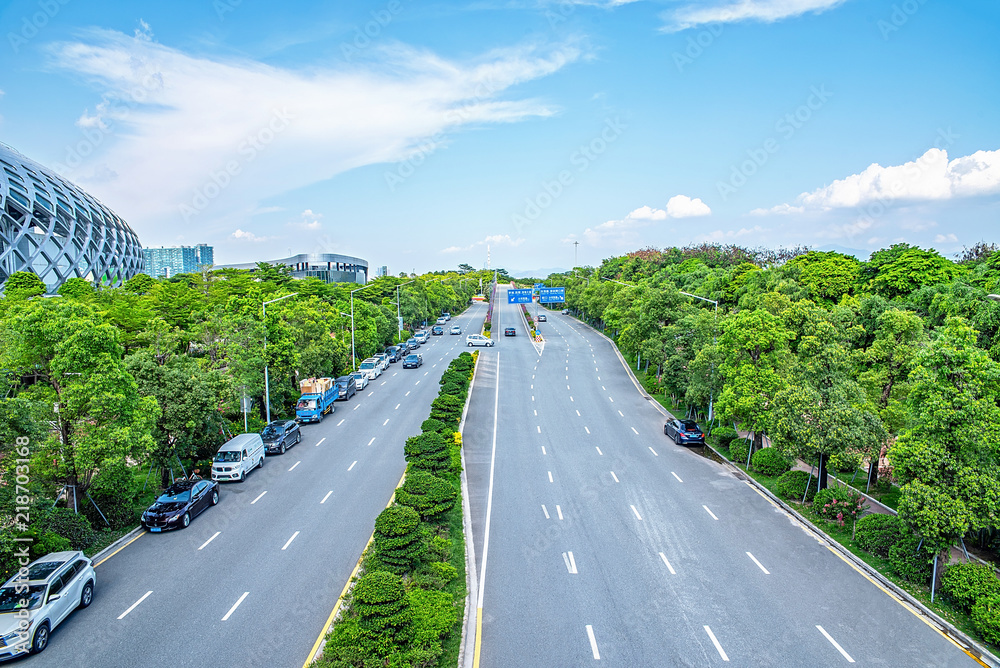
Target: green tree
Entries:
(23, 285)
(828, 276)
(76, 288)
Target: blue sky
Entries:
(416, 135)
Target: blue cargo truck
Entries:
(317, 399)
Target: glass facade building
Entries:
(52, 228)
(169, 262)
(327, 267)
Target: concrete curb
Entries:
(465, 658)
(967, 644)
(115, 546)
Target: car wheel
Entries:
(243, 476)
(282, 448)
(41, 638)
(186, 520)
(215, 498)
(87, 595)
(261, 462)
(298, 436)
(469, 345)
(665, 430)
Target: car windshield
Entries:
(227, 456)
(689, 425)
(368, 365)
(11, 599)
(270, 432)
(306, 404)
(180, 496)
(358, 376)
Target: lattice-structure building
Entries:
(54, 229)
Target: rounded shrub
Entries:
(738, 450)
(839, 504)
(429, 451)
(964, 584)
(986, 618)
(397, 542)
(427, 494)
(724, 435)
(73, 527)
(430, 424)
(770, 462)
(447, 408)
(910, 563)
(791, 485)
(877, 533)
(386, 621)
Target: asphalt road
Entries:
(252, 581)
(608, 542)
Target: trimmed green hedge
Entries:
(724, 435)
(964, 584)
(986, 618)
(877, 533)
(397, 542)
(427, 494)
(770, 462)
(792, 485)
(909, 562)
(738, 450)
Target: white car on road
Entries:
(478, 340)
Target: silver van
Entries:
(237, 457)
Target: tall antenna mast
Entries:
(487, 256)
(576, 251)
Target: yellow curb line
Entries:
(120, 549)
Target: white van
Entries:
(371, 367)
(237, 457)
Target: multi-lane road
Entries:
(598, 539)
(252, 581)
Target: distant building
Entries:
(175, 260)
(382, 271)
(327, 267)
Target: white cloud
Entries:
(647, 213)
(308, 220)
(243, 235)
(682, 206)
(945, 238)
(733, 11)
(493, 240)
(779, 210)
(730, 235)
(179, 120)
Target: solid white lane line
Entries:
(599, 451)
(295, 464)
(759, 565)
(397, 407)
(290, 540)
(386, 422)
(539, 428)
(835, 643)
(546, 511)
(320, 441)
(637, 515)
(133, 606)
(543, 450)
(550, 476)
(593, 642)
(578, 413)
(558, 512)
(341, 422)
(209, 540)
(710, 512)
(676, 476)
(588, 431)
(258, 497)
(633, 429)
(407, 393)
(620, 413)
(653, 451)
(715, 642)
(327, 496)
(570, 563)
(371, 441)
(614, 476)
(352, 465)
(669, 567)
(489, 496)
(235, 605)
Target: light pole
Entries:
(995, 298)
(715, 339)
(399, 317)
(267, 383)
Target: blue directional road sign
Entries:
(539, 286)
(551, 295)
(519, 296)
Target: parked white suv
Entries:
(383, 360)
(371, 367)
(32, 606)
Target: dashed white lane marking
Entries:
(620, 413)
(578, 413)
(546, 511)
(653, 451)
(532, 397)
(532, 376)
(397, 407)
(634, 431)
(539, 428)
(612, 400)
(371, 393)
(327, 496)
(341, 422)
(604, 388)
(295, 464)
(320, 441)
(407, 393)
(559, 512)
(567, 378)
(383, 383)
(715, 642)
(571, 397)
(676, 476)
(570, 563)
(536, 412)
(395, 373)
(614, 476)
(235, 605)
(669, 567)
(598, 378)
(357, 407)
(759, 565)
(426, 372)
(550, 476)
(599, 451)
(352, 465)
(371, 441)
(637, 515)
(593, 642)
(134, 605)
(289, 542)
(710, 512)
(532, 387)
(543, 450)
(417, 383)
(386, 422)
(588, 430)
(258, 497)
(835, 644)
(209, 540)
(567, 387)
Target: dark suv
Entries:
(509, 331)
(684, 432)
(346, 387)
(437, 330)
(280, 435)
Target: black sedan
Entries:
(179, 503)
(509, 331)
(437, 330)
(684, 431)
(280, 435)
(412, 361)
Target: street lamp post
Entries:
(267, 382)
(715, 339)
